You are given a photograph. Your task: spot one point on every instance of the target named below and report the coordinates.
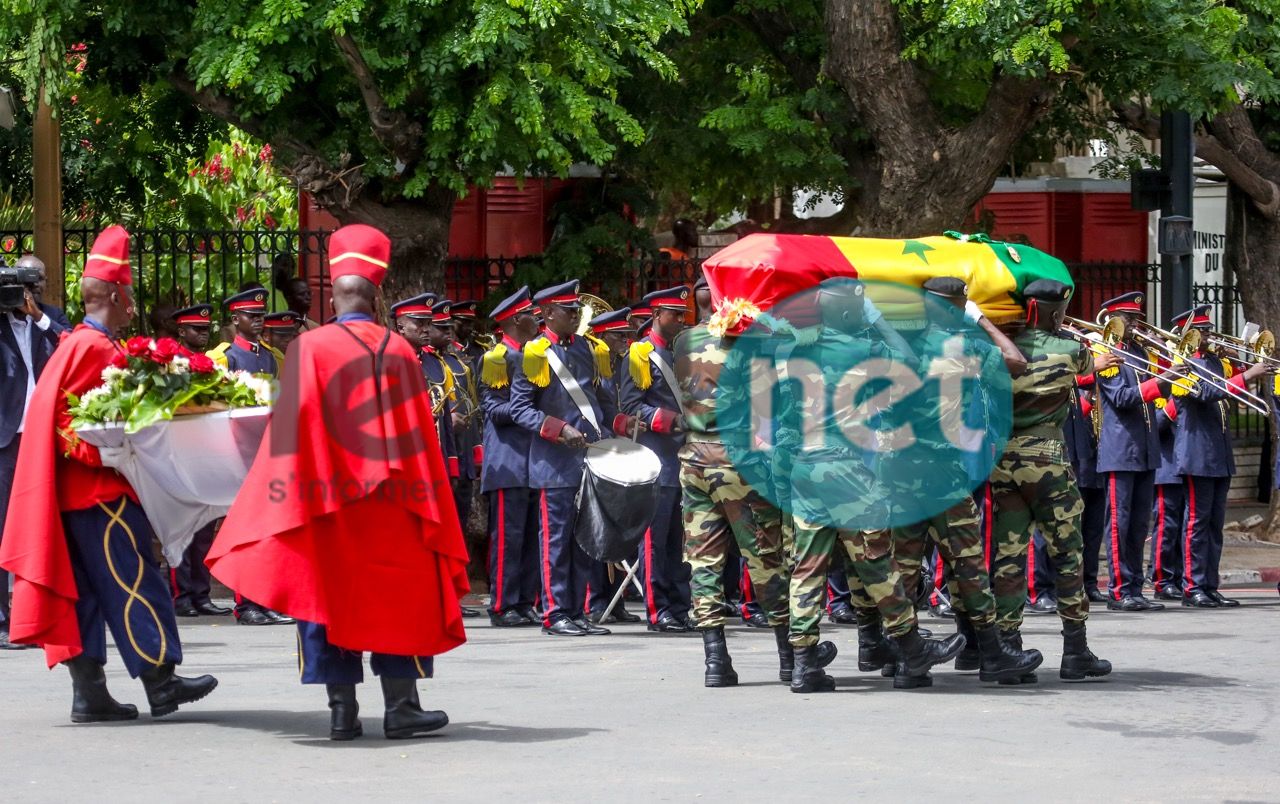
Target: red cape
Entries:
(347, 518)
(35, 546)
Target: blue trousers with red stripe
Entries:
(513, 549)
(121, 586)
(321, 662)
(566, 569)
(1092, 527)
(1126, 522)
(663, 571)
(838, 587)
(1202, 534)
(1169, 514)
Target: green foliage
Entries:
(236, 185)
(596, 236)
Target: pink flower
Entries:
(166, 350)
(241, 214)
(268, 221)
(226, 175)
(265, 154)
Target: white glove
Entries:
(972, 312)
(114, 457)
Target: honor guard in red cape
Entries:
(191, 581)
(245, 352)
(504, 472)
(558, 399)
(346, 520)
(648, 391)
(1205, 460)
(76, 540)
(278, 331)
(610, 333)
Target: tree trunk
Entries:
(419, 232)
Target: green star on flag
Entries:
(917, 248)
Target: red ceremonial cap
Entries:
(109, 257)
(359, 250)
(676, 298)
(1199, 316)
(1124, 303)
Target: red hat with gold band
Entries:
(676, 298)
(359, 250)
(109, 257)
(195, 315)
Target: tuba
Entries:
(592, 306)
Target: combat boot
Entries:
(824, 653)
(970, 658)
(90, 700)
(720, 672)
(1000, 660)
(808, 675)
(167, 691)
(875, 651)
(1013, 639)
(343, 709)
(404, 716)
(916, 655)
(1078, 661)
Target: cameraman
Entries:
(28, 336)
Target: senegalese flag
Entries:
(995, 272)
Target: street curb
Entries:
(1243, 576)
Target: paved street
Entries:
(1189, 714)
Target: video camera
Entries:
(14, 283)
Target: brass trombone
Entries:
(1179, 348)
(1108, 336)
(1258, 349)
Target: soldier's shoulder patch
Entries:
(536, 366)
(1110, 372)
(638, 364)
(493, 367)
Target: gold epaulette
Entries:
(536, 366)
(493, 367)
(1183, 386)
(450, 387)
(1227, 371)
(600, 349)
(1160, 402)
(218, 354)
(638, 364)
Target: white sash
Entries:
(670, 377)
(575, 391)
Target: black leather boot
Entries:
(970, 658)
(167, 691)
(1000, 660)
(90, 700)
(720, 671)
(1013, 639)
(404, 717)
(1078, 662)
(875, 651)
(916, 655)
(808, 675)
(786, 656)
(343, 709)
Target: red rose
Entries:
(138, 346)
(120, 361)
(184, 351)
(166, 349)
(202, 364)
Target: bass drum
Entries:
(617, 498)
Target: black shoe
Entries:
(90, 700)
(404, 717)
(529, 614)
(807, 676)
(621, 615)
(719, 671)
(1148, 605)
(925, 633)
(1096, 595)
(166, 691)
(1168, 593)
(185, 610)
(1000, 660)
(589, 628)
(942, 608)
(916, 655)
(508, 619)
(565, 627)
(467, 611)
(1045, 604)
(668, 624)
(1078, 662)
(1126, 603)
(970, 658)
(1223, 602)
(254, 616)
(279, 619)
(1013, 639)
(1199, 600)
(212, 609)
(688, 621)
(842, 614)
(756, 619)
(875, 651)
(343, 709)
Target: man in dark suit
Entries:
(28, 336)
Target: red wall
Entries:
(1072, 226)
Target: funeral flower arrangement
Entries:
(154, 380)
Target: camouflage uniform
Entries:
(717, 501)
(1033, 485)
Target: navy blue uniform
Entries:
(605, 579)
(665, 574)
(245, 355)
(440, 383)
(1128, 454)
(555, 471)
(504, 479)
(1168, 511)
(466, 401)
(322, 662)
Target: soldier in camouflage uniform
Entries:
(836, 498)
(955, 531)
(1033, 486)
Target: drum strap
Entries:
(574, 390)
(667, 374)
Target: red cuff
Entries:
(551, 428)
(1085, 380)
(1150, 390)
(453, 466)
(1086, 407)
(620, 423)
(663, 420)
(477, 454)
(1237, 380)
(1171, 410)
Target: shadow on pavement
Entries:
(1049, 683)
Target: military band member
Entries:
(468, 343)
(647, 391)
(414, 317)
(279, 330)
(504, 472)
(556, 396)
(640, 313)
(1168, 512)
(464, 417)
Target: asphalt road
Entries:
(1189, 714)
